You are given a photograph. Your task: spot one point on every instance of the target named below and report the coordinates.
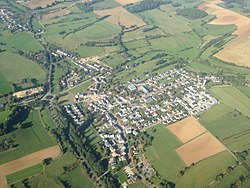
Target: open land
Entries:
(27, 161)
(40, 3)
(125, 2)
(187, 129)
(235, 51)
(200, 148)
(121, 16)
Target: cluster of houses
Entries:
(75, 112)
(71, 79)
(8, 17)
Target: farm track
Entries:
(26, 162)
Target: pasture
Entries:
(47, 118)
(187, 129)
(14, 68)
(161, 155)
(232, 97)
(204, 172)
(33, 4)
(32, 131)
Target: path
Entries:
(26, 162)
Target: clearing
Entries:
(187, 129)
(200, 148)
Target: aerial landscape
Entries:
(125, 93)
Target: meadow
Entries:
(14, 68)
(33, 131)
(47, 118)
(232, 97)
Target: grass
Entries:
(14, 68)
(138, 184)
(230, 178)
(233, 97)
(26, 173)
(161, 155)
(3, 115)
(114, 60)
(122, 176)
(86, 51)
(34, 132)
(245, 90)
(77, 178)
(202, 173)
(228, 126)
(20, 41)
(47, 118)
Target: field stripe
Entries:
(26, 162)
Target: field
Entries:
(230, 127)
(47, 118)
(14, 68)
(164, 159)
(200, 148)
(121, 16)
(125, 2)
(236, 50)
(28, 161)
(56, 14)
(26, 173)
(4, 114)
(40, 3)
(33, 131)
(232, 97)
(187, 129)
(204, 172)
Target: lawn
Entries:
(162, 155)
(23, 174)
(232, 97)
(14, 68)
(3, 115)
(138, 184)
(202, 173)
(122, 176)
(77, 178)
(32, 137)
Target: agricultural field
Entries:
(15, 68)
(33, 131)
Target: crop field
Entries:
(33, 131)
(164, 159)
(236, 50)
(187, 129)
(200, 148)
(106, 4)
(14, 68)
(40, 3)
(55, 14)
(125, 2)
(121, 16)
(26, 173)
(204, 172)
(229, 126)
(234, 98)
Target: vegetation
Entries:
(191, 13)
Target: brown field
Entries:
(200, 148)
(26, 162)
(55, 14)
(125, 2)
(235, 51)
(40, 3)
(120, 16)
(27, 92)
(187, 129)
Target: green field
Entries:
(77, 178)
(122, 176)
(33, 131)
(14, 68)
(47, 118)
(204, 172)
(233, 97)
(23, 174)
(161, 155)
(3, 115)
(138, 184)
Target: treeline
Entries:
(147, 5)
(191, 13)
(86, 7)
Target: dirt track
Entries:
(26, 162)
(237, 50)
